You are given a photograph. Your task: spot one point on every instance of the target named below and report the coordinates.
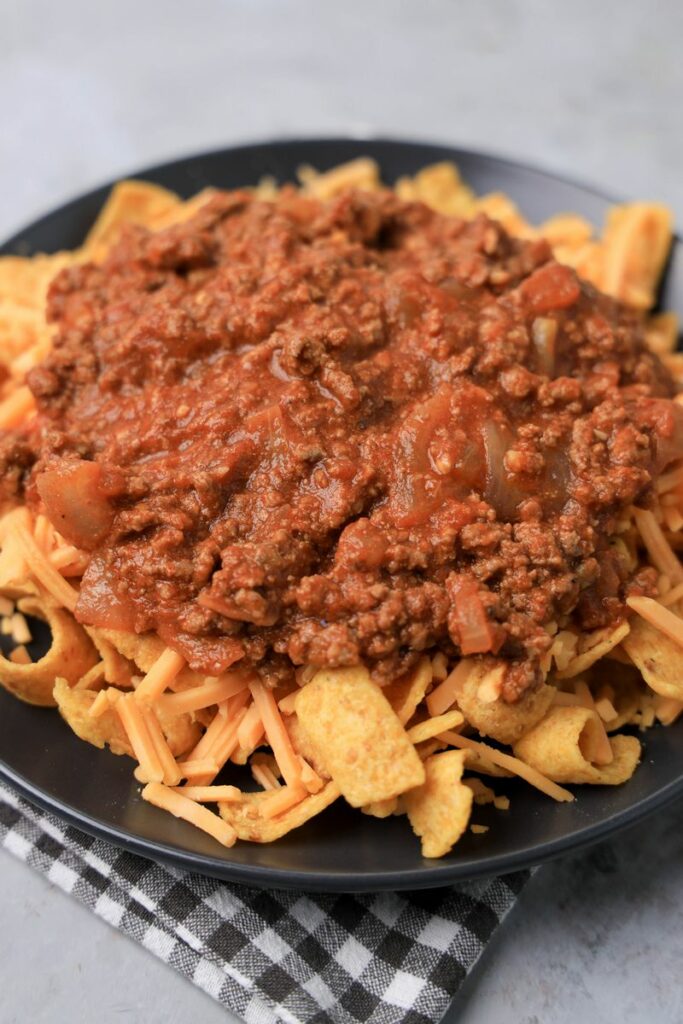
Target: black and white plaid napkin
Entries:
(272, 956)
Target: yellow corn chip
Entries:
(248, 823)
(117, 668)
(144, 649)
(21, 327)
(636, 242)
(357, 736)
(406, 694)
(592, 647)
(661, 333)
(441, 187)
(555, 747)
(500, 207)
(566, 229)
(129, 202)
(659, 659)
(503, 722)
(381, 808)
(182, 211)
(25, 280)
(440, 808)
(74, 707)
(362, 173)
(70, 655)
(303, 745)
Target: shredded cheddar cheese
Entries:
(175, 803)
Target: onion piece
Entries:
(544, 336)
(501, 491)
(468, 622)
(75, 502)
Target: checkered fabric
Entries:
(275, 956)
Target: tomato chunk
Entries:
(550, 287)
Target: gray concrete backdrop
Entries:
(89, 91)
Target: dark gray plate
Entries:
(342, 850)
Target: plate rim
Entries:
(256, 876)
(283, 141)
(435, 874)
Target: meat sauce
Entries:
(303, 432)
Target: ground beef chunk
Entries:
(17, 456)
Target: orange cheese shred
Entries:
(659, 617)
(285, 798)
(20, 656)
(445, 695)
(288, 704)
(264, 776)
(172, 773)
(606, 709)
(203, 747)
(211, 692)
(178, 805)
(226, 741)
(276, 733)
(220, 739)
(211, 794)
(658, 547)
(37, 561)
(513, 764)
(161, 675)
(100, 704)
(250, 729)
(68, 557)
(135, 727)
(309, 777)
(43, 533)
(197, 768)
(672, 596)
(668, 481)
(17, 408)
(21, 634)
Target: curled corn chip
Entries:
(71, 654)
(503, 722)
(557, 747)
